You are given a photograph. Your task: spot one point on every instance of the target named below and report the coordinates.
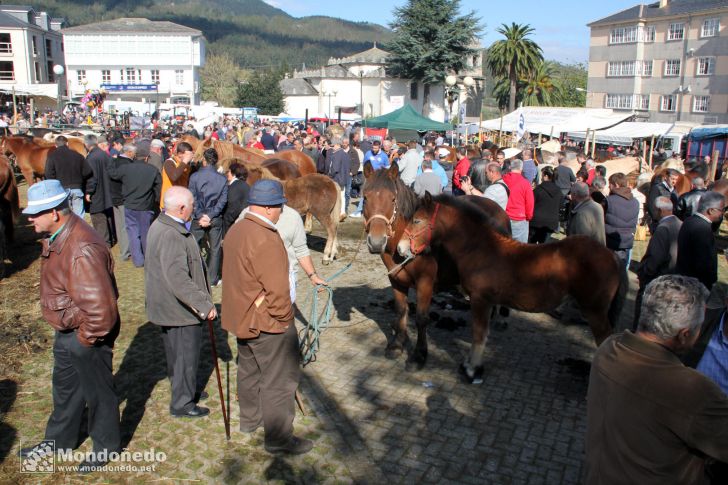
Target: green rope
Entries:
(318, 321)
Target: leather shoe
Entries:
(90, 466)
(201, 396)
(195, 412)
(296, 446)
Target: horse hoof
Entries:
(471, 377)
(392, 353)
(414, 365)
(325, 262)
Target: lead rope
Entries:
(318, 321)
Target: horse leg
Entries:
(599, 323)
(424, 298)
(308, 224)
(472, 369)
(327, 222)
(396, 344)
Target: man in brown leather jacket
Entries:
(257, 309)
(78, 299)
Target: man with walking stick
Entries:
(178, 298)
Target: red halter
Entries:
(412, 235)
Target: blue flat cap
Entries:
(45, 195)
(266, 192)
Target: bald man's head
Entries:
(179, 202)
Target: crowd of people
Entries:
(164, 211)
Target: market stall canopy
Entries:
(625, 133)
(33, 90)
(405, 118)
(705, 132)
(554, 121)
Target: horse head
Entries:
(380, 205)
(418, 234)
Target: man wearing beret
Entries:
(257, 309)
(78, 299)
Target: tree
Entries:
(572, 79)
(514, 57)
(219, 80)
(262, 89)
(540, 88)
(430, 40)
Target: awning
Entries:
(625, 133)
(33, 90)
(554, 121)
(697, 134)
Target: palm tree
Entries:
(540, 88)
(514, 57)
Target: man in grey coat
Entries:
(587, 217)
(178, 297)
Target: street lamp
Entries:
(361, 92)
(58, 71)
(329, 95)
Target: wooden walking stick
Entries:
(219, 380)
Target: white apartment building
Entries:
(30, 45)
(135, 59)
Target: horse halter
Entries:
(388, 221)
(411, 235)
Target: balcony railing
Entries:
(6, 48)
(7, 76)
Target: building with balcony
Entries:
(30, 45)
(135, 59)
(667, 61)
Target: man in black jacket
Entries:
(117, 199)
(98, 192)
(337, 167)
(141, 186)
(664, 186)
(687, 205)
(620, 218)
(237, 195)
(70, 168)
(696, 252)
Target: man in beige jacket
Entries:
(257, 308)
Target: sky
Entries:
(560, 27)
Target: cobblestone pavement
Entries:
(372, 421)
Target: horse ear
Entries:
(393, 171)
(368, 170)
(427, 199)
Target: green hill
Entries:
(252, 32)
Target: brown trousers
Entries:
(268, 375)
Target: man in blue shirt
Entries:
(209, 189)
(436, 168)
(376, 156)
(530, 172)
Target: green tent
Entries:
(405, 118)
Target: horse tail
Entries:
(336, 211)
(620, 296)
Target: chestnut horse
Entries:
(304, 163)
(30, 157)
(388, 207)
(495, 270)
(9, 202)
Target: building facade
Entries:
(667, 61)
(135, 59)
(30, 45)
(359, 84)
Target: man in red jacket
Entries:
(462, 168)
(520, 201)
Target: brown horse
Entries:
(9, 201)
(282, 169)
(304, 163)
(388, 208)
(495, 270)
(30, 157)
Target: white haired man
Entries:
(650, 419)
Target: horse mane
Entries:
(476, 217)
(406, 197)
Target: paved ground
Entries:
(372, 421)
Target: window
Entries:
(626, 35)
(49, 48)
(51, 75)
(36, 68)
(676, 31)
(701, 104)
(131, 77)
(629, 68)
(710, 28)
(668, 102)
(706, 66)
(672, 67)
(179, 77)
(628, 101)
(7, 73)
(35, 46)
(155, 76)
(105, 76)
(6, 46)
(81, 76)
(413, 90)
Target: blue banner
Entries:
(129, 87)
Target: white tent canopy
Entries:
(33, 90)
(625, 133)
(554, 121)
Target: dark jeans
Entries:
(103, 223)
(182, 348)
(83, 378)
(347, 195)
(213, 233)
(268, 375)
(137, 227)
